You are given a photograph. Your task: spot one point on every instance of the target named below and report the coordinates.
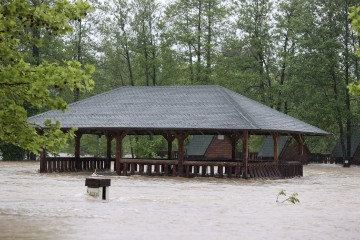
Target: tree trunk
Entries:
(198, 48)
(208, 44)
(347, 94)
(79, 59)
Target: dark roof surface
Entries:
(267, 148)
(175, 107)
(198, 145)
(355, 141)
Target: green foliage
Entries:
(354, 15)
(144, 146)
(22, 84)
(11, 152)
(293, 198)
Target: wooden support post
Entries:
(181, 138)
(108, 151)
(169, 138)
(78, 165)
(245, 140)
(276, 148)
(43, 163)
(118, 152)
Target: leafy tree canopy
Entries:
(24, 86)
(355, 21)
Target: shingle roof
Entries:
(198, 145)
(175, 107)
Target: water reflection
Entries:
(55, 206)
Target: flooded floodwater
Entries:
(55, 206)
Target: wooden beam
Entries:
(276, 147)
(109, 139)
(119, 136)
(43, 164)
(169, 138)
(181, 139)
(77, 151)
(245, 139)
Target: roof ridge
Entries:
(236, 106)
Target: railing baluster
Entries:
(149, 169)
(220, 171)
(157, 169)
(166, 170)
(132, 168)
(141, 169)
(203, 170)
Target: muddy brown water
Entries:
(55, 206)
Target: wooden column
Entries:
(43, 163)
(245, 139)
(169, 138)
(77, 151)
(181, 138)
(108, 150)
(118, 152)
(276, 147)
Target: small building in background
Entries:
(209, 147)
(337, 153)
(288, 150)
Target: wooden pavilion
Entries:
(175, 112)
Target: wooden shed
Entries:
(288, 150)
(176, 112)
(209, 147)
(337, 153)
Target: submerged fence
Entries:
(160, 167)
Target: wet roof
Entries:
(173, 108)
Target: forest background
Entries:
(296, 56)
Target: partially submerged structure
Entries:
(175, 112)
(288, 150)
(337, 153)
(209, 147)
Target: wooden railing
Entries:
(66, 164)
(161, 167)
(213, 168)
(291, 169)
(149, 167)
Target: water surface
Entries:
(55, 206)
